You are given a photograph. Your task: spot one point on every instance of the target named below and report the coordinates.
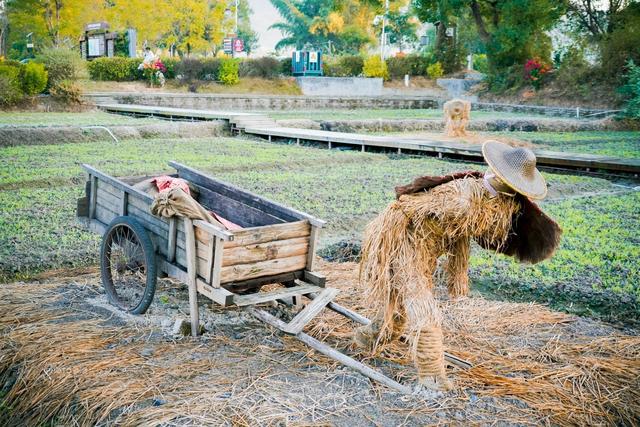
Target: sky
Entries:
(264, 15)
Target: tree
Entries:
(4, 25)
(245, 32)
(510, 30)
(336, 25)
(595, 16)
(402, 29)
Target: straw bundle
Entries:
(399, 257)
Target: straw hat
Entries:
(516, 167)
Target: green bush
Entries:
(375, 67)
(117, 69)
(631, 91)
(67, 92)
(209, 69)
(228, 73)
(33, 78)
(10, 87)
(435, 71)
(343, 66)
(398, 67)
(481, 63)
(266, 67)
(189, 69)
(171, 64)
(61, 64)
(285, 67)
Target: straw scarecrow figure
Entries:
(456, 117)
(436, 216)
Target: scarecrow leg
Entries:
(367, 336)
(457, 268)
(425, 321)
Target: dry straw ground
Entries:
(66, 361)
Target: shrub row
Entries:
(191, 69)
(393, 68)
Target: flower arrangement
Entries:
(534, 70)
(154, 71)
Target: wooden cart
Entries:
(275, 246)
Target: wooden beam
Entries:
(261, 297)
(93, 196)
(311, 254)
(308, 313)
(315, 278)
(332, 353)
(218, 256)
(171, 240)
(192, 272)
(220, 296)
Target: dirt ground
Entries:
(69, 358)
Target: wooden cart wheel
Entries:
(128, 265)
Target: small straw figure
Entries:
(456, 117)
(435, 216)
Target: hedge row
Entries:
(397, 67)
(188, 69)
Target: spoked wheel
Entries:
(128, 265)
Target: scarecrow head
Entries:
(512, 170)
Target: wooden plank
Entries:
(93, 196)
(192, 271)
(311, 310)
(246, 197)
(233, 210)
(216, 265)
(332, 353)
(116, 183)
(125, 203)
(315, 278)
(171, 241)
(288, 277)
(260, 297)
(265, 251)
(264, 268)
(220, 296)
(104, 214)
(343, 311)
(268, 233)
(311, 255)
(209, 256)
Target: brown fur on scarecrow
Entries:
(456, 117)
(434, 216)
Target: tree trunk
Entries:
(477, 17)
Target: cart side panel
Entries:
(266, 251)
(111, 203)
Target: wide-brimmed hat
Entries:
(516, 167)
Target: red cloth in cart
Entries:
(230, 225)
(166, 183)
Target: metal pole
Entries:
(236, 31)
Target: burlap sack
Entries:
(176, 202)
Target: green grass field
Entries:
(39, 187)
(606, 143)
(70, 119)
